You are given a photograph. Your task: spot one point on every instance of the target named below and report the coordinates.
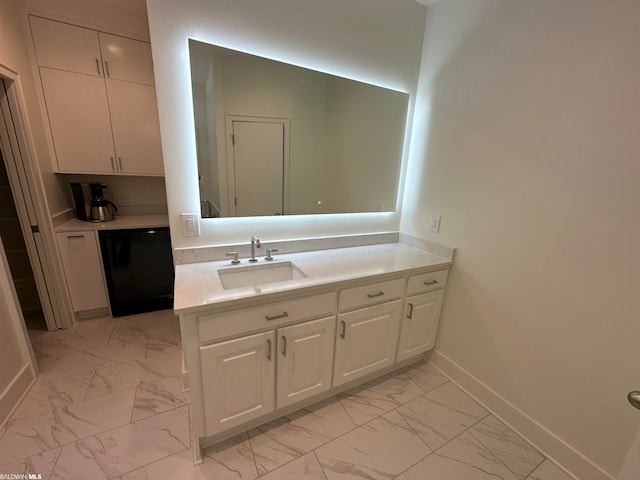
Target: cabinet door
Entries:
(79, 119)
(126, 59)
(66, 47)
(420, 324)
(305, 360)
(366, 341)
(237, 380)
(136, 130)
(83, 269)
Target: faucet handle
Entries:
(269, 252)
(235, 260)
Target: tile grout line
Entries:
(497, 458)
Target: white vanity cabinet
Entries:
(100, 99)
(421, 314)
(82, 264)
(238, 380)
(367, 337)
(254, 356)
(305, 358)
(250, 376)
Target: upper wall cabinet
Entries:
(100, 100)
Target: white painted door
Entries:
(305, 360)
(83, 269)
(258, 168)
(238, 380)
(79, 118)
(366, 341)
(419, 324)
(136, 128)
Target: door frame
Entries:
(230, 186)
(29, 195)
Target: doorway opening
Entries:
(18, 255)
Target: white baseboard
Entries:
(557, 450)
(12, 395)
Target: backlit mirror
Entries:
(277, 139)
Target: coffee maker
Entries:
(91, 206)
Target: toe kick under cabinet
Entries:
(253, 364)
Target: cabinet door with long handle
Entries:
(136, 129)
(126, 59)
(66, 47)
(238, 380)
(79, 118)
(305, 360)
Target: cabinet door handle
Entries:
(75, 236)
(113, 165)
(106, 68)
(98, 66)
(374, 295)
(344, 330)
(275, 317)
(432, 282)
(269, 349)
(410, 311)
(120, 163)
(284, 346)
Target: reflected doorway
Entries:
(258, 166)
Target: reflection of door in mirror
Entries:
(256, 165)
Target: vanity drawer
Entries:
(426, 282)
(217, 326)
(371, 294)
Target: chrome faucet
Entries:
(255, 242)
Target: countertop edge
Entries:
(316, 288)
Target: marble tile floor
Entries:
(108, 404)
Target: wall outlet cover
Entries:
(190, 225)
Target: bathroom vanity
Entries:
(263, 339)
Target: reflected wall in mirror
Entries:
(277, 139)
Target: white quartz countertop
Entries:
(198, 286)
(121, 222)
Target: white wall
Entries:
(526, 142)
(376, 41)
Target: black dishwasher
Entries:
(138, 267)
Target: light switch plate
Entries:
(434, 223)
(190, 225)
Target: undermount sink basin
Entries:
(254, 275)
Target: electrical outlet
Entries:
(123, 200)
(190, 225)
(434, 223)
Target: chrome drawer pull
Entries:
(374, 295)
(344, 329)
(275, 317)
(432, 282)
(269, 349)
(410, 311)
